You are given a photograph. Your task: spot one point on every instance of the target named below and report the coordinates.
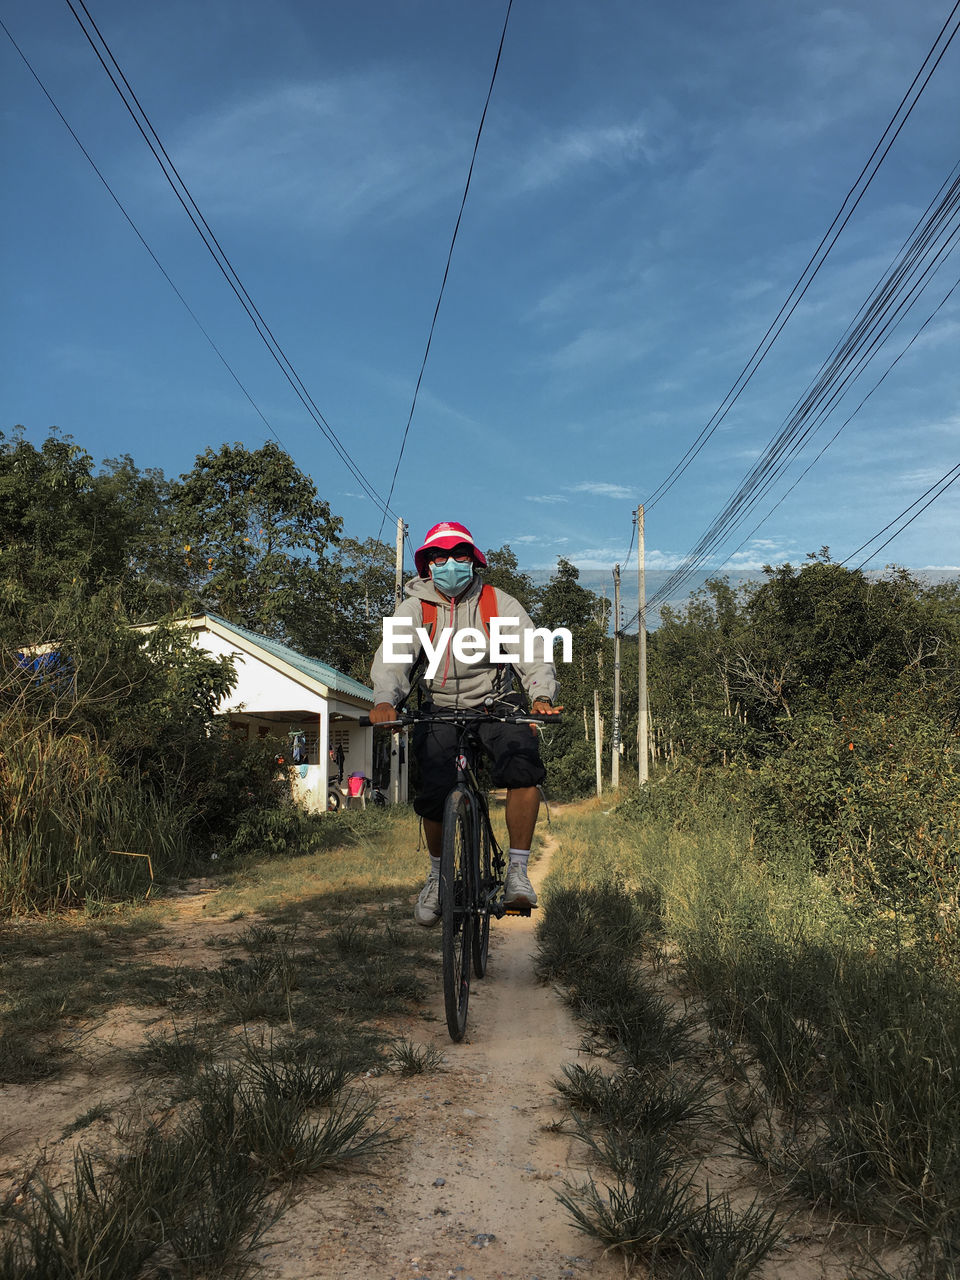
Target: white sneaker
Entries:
(427, 910)
(519, 891)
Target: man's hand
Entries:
(541, 708)
(382, 713)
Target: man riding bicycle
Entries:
(447, 593)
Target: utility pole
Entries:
(398, 583)
(643, 764)
(398, 741)
(598, 740)
(615, 760)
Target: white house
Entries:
(301, 701)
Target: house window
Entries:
(339, 741)
(310, 739)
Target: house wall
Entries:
(310, 781)
(259, 688)
(262, 692)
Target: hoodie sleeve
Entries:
(399, 649)
(539, 676)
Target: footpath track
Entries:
(470, 1191)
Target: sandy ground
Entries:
(468, 1191)
(471, 1189)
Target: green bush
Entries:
(877, 798)
(109, 748)
(72, 822)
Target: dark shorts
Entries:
(513, 748)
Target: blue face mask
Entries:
(452, 577)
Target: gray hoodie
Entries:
(459, 683)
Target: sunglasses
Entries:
(441, 557)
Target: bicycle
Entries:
(472, 865)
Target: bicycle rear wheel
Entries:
(485, 882)
(457, 880)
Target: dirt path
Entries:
(470, 1192)
(469, 1189)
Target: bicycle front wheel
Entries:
(457, 881)
(485, 881)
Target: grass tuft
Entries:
(287, 1072)
(635, 1101)
(409, 1059)
(181, 1051)
(271, 1126)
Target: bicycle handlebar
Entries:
(463, 715)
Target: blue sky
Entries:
(650, 182)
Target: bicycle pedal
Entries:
(517, 910)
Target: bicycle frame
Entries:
(472, 865)
(489, 897)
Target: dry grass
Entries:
(833, 1031)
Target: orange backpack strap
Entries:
(488, 610)
(488, 605)
(429, 618)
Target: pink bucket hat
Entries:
(444, 537)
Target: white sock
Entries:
(435, 867)
(518, 858)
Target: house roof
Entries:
(313, 668)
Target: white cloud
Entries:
(949, 426)
(655, 559)
(751, 290)
(615, 345)
(601, 557)
(602, 489)
(920, 479)
(570, 296)
(613, 146)
(322, 154)
(760, 552)
(937, 335)
(547, 497)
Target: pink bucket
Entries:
(355, 784)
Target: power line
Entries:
(633, 534)
(818, 408)
(947, 296)
(925, 251)
(446, 270)
(213, 246)
(140, 237)
(816, 260)
(933, 239)
(941, 486)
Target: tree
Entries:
(254, 535)
(365, 575)
(130, 521)
(62, 527)
(503, 571)
(569, 749)
(692, 655)
(565, 603)
(816, 632)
